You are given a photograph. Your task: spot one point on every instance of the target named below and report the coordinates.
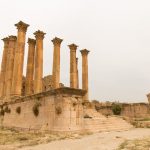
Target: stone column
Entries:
(77, 73)
(30, 67)
(56, 62)
(39, 35)
(10, 65)
(3, 67)
(19, 59)
(73, 66)
(84, 54)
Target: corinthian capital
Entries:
(6, 41)
(12, 38)
(21, 26)
(84, 52)
(73, 46)
(39, 34)
(31, 41)
(57, 41)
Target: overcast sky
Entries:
(117, 33)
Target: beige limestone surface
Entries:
(85, 84)
(98, 141)
(73, 66)
(19, 59)
(30, 67)
(3, 67)
(39, 35)
(10, 65)
(56, 62)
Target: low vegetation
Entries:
(18, 110)
(36, 108)
(7, 110)
(116, 108)
(87, 116)
(58, 110)
(138, 144)
(12, 139)
(2, 112)
(142, 119)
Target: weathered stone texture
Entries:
(56, 62)
(84, 53)
(132, 110)
(77, 73)
(10, 65)
(57, 112)
(39, 35)
(19, 59)
(30, 67)
(73, 66)
(3, 67)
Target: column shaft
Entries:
(19, 59)
(10, 65)
(30, 67)
(3, 67)
(56, 62)
(85, 73)
(39, 35)
(77, 73)
(73, 66)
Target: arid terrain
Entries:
(134, 139)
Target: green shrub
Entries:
(18, 110)
(58, 110)
(36, 108)
(87, 116)
(2, 112)
(95, 101)
(7, 110)
(116, 108)
(97, 108)
(74, 104)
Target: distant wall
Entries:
(129, 110)
(136, 110)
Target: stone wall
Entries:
(128, 110)
(59, 110)
(136, 110)
(48, 83)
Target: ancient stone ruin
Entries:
(35, 102)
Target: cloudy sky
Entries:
(117, 33)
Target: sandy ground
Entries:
(98, 141)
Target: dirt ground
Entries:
(134, 139)
(124, 140)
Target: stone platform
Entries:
(58, 110)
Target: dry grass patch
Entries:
(138, 144)
(12, 139)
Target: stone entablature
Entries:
(63, 91)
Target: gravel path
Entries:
(98, 141)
